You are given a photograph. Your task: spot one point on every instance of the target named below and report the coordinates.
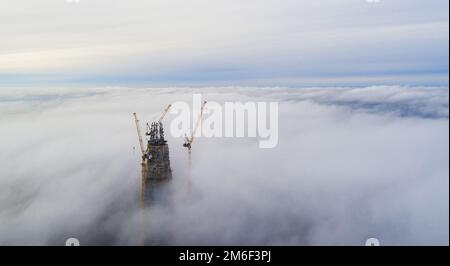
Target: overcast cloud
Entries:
(224, 42)
(346, 168)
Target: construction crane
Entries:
(188, 140)
(141, 142)
(161, 118)
(164, 113)
(143, 179)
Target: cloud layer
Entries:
(256, 42)
(350, 164)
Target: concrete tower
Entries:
(157, 167)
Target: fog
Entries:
(351, 163)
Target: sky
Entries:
(224, 42)
(363, 97)
(351, 164)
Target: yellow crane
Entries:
(164, 113)
(143, 175)
(161, 117)
(141, 142)
(188, 140)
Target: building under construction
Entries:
(157, 154)
(155, 165)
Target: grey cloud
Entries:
(426, 102)
(290, 40)
(341, 173)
